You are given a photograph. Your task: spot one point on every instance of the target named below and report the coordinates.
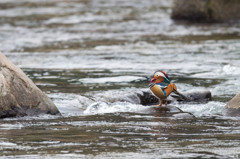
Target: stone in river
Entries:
(147, 98)
(170, 111)
(19, 96)
(206, 10)
(233, 106)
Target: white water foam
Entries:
(103, 108)
(70, 104)
(117, 79)
(203, 109)
(75, 105)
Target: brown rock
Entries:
(19, 96)
(233, 106)
(206, 10)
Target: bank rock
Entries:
(233, 106)
(19, 96)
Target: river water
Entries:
(88, 55)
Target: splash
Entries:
(77, 105)
(117, 79)
(103, 108)
(205, 109)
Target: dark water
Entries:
(121, 135)
(89, 55)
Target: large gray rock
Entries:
(19, 96)
(206, 10)
(233, 106)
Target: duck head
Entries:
(159, 77)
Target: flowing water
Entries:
(88, 55)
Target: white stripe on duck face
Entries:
(157, 74)
(162, 75)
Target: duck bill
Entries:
(153, 80)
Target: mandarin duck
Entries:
(161, 86)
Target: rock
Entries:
(197, 96)
(233, 106)
(19, 96)
(169, 111)
(184, 115)
(206, 10)
(147, 98)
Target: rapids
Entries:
(89, 54)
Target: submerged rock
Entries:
(184, 115)
(19, 96)
(167, 109)
(171, 111)
(233, 106)
(206, 10)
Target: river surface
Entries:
(88, 55)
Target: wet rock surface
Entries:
(147, 98)
(19, 96)
(170, 111)
(233, 106)
(206, 10)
